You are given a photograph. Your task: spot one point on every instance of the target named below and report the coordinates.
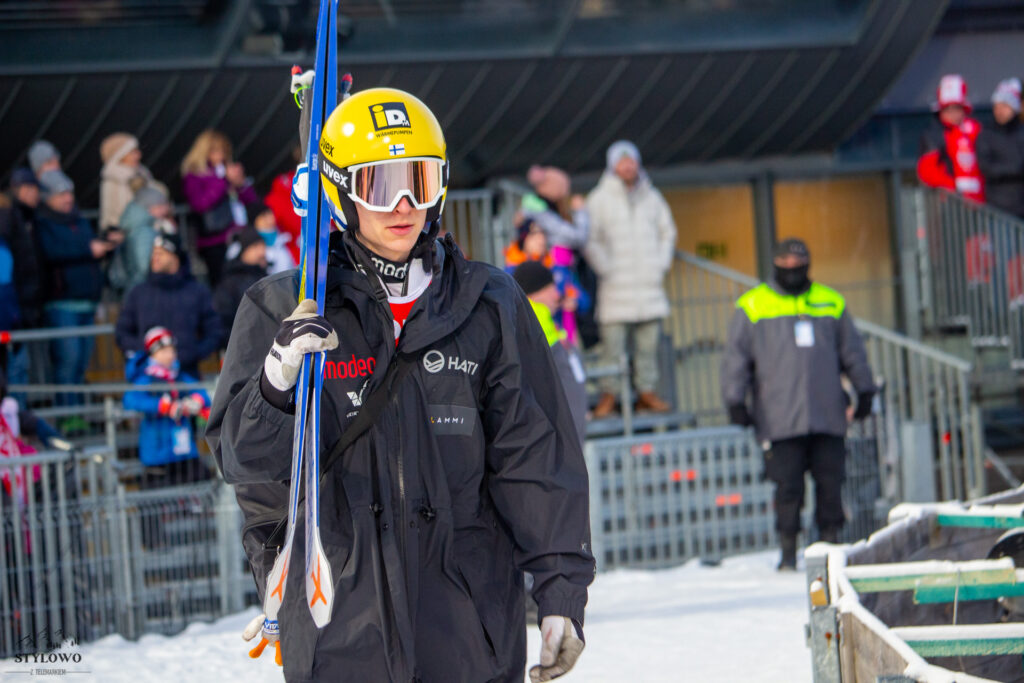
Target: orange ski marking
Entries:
(315, 575)
(279, 591)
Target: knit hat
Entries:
(1008, 92)
(23, 176)
(150, 196)
(619, 149)
(247, 237)
(40, 152)
(157, 338)
(55, 182)
(254, 209)
(952, 90)
(532, 276)
(117, 146)
(169, 241)
(792, 246)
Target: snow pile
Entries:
(739, 621)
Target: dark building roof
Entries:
(779, 79)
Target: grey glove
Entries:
(561, 646)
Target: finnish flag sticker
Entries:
(396, 150)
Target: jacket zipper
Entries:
(401, 487)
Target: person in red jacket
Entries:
(948, 158)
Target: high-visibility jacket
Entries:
(787, 354)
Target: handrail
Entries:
(863, 325)
(106, 387)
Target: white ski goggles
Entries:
(381, 185)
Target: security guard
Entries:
(789, 341)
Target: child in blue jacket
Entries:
(165, 436)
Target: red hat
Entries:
(157, 338)
(952, 90)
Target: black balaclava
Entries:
(793, 281)
(393, 272)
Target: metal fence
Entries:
(659, 500)
(923, 386)
(969, 259)
(81, 556)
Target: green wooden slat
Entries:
(882, 584)
(931, 595)
(980, 521)
(963, 647)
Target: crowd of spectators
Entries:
(607, 255)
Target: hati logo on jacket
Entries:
(434, 361)
(389, 115)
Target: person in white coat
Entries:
(632, 239)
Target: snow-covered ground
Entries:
(740, 621)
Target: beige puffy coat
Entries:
(631, 245)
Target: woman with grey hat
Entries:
(121, 177)
(149, 212)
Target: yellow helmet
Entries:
(379, 146)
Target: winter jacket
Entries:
(64, 239)
(470, 476)
(181, 304)
(948, 159)
(116, 191)
(210, 198)
(23, 281)
(132, 257)
(792, 373)
(237, 278)
(631, 246)
(279, 200)
(560, 232)
(1001, 160)
(570, 368)
(162, 440)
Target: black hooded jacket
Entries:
(471, 475)
(1000, 151)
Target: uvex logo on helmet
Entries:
(389, 115)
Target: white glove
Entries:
(302, 332)
(560, 647)
(271, 634)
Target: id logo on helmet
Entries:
(389, 115)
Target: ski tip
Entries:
(296, 70)
(346, 83)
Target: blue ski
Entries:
(316, 225)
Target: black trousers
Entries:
(825, 457)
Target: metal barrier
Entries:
(82, 557)
(660, 500)
(924, 386)
(970, 267)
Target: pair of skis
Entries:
(316, 227)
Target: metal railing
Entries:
(82, 556)
(969, 259)
(659, 500)
(925, 387)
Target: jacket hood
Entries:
(237, 267)
(172, 280)
(46, 213)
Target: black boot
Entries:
(830, 534)
(787, 543)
